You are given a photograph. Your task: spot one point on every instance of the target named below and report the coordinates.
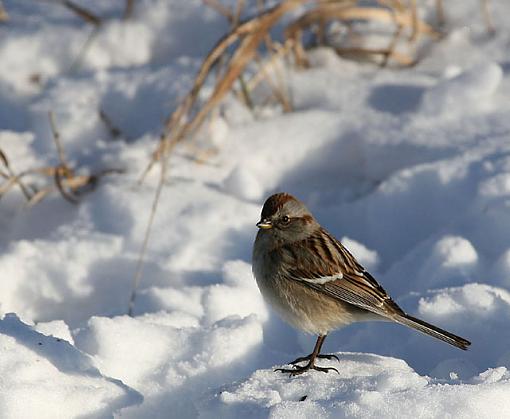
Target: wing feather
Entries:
(322, 263)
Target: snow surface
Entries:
(411, 168)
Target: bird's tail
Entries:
(434, 331)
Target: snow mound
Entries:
(63, 381)
(470, 90)
(367, 386)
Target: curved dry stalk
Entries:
(399, 16)
(487, 16)
(4, 158)
(250, 33)
(39, 196)
(83, 13)
(143, 251)
(128, 9)
(12, 178)
(401, 58)
(4, 17)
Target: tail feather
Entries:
(433, 331)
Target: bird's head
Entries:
(286, 219)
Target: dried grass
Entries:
(3, 13)
(128, 9)
(252, 33)
(61, 178)
(82, 12)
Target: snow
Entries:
(48, 377)
(410, 168)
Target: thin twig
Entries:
(128, 9)
(440, 13)
(83, 50)
(62, 171)
(143, 251)
(392, 46)
(3, 13)
(220, 8)
(487, 16)
(402, 59)
(12, 178)
(83, 13)
(114, 131)
(59, 177)
(237, 13)
(414, 22)
(56, 139)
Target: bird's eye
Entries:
(285, 219)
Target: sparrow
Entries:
(315, 284)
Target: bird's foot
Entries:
(297, 370)
(308, 357)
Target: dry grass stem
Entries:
(143, 251)
(114, 131)
(487, 16)
(4, 17)
(75, 65)
(440, 16)
(11, 178)
(249, 34)
(220, 8)
(83, 13)
(128, 9)
(65, 181)
(56, 139)
(398, 15)
(414, 22)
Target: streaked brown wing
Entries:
(321, 262)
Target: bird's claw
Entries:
(307, 358)
(300, 370)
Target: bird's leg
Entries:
(319, 355)
(311, 361)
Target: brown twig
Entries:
(4, 17)
(83, 50)
(143, 251)
(220, 8)
(341, 12)
(56, 139)
(83, 13)
(114, 131)
(414, 22)
(392, 46)
(440, 17)
(12, 178)
(128, 9)
(63, 171)
(487, 16)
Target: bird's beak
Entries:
(264, 224)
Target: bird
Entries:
(315, 284)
